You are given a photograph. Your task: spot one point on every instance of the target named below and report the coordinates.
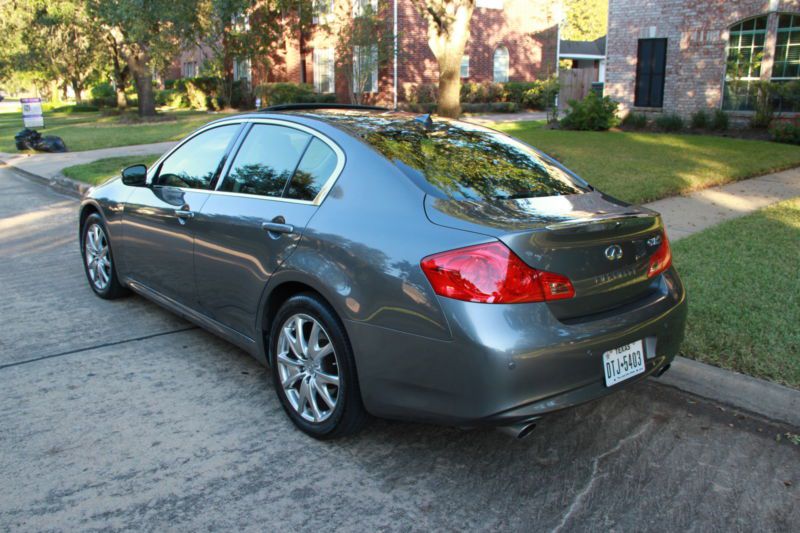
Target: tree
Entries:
(365, 45)
(149, 33)
(586, 20)
(448, 33)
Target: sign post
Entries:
(32, 116)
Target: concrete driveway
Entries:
(117, 415)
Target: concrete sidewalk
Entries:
(685, 215)
(49, 166)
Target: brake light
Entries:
(492, 273)
(661, 259)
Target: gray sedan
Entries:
(387, 264)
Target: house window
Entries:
(650, 69)
(323, 70)
(321, 9)
(365, 69)
(787, 49)
(242, 70)
(360, 7)
(465, 66)
(501, 63)
(745, 53)
(190, 69)
(489, 4)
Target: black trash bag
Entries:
(27, 139)
(50, 143)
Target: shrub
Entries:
(490, 107)
(542, 95)
(103, 94)
(472, 93)
(669, 122)
(785, 132)
(719, 120)
(291, 93)
(593, 113)
(241, 95)
(700, 119)
(197, 98)
(637, 121)
(515, 90)
(170, 98)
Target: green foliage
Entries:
(490, 107)
(482, 93)
(720, 121)
(764, 103)
(593, 113)
(103, 90)
(423, 93)
(586, 20)
(669, 122)
(196, 95)
(700, 119)
(542, 95)
(171, 98)
(636, 121)
(785, 132)
(291, 93)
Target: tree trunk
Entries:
(77, 88)
(139, 63)
(448, 33)
(122, 100)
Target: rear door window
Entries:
(312, 173)
(266, 160)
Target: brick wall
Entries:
(697, 36)
(525, 27)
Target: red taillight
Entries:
(661, 259)
(491, 273)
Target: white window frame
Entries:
(357, 51)
(465, 66)
(503, 77)
(358, 7)
(242, 70)
(323, 58)
(190, 69)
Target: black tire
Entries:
(348, 416)
(113, 289)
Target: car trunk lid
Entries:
(603, 246)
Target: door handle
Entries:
(182, 213)
(277, 227)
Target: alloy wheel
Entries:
(308, 368)
(98, 259)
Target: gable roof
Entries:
(584, 48)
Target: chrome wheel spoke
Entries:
(307, 372)
(97, 257)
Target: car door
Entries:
(255, 218)
(157, 224)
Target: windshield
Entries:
(463, 161)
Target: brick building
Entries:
(684, 55)
(511, 40)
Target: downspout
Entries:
(558, 60)
(394, 59)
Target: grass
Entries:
(641, 167)
(90, 131)
(103, 169)
(743, 281)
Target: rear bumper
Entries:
(509, 363)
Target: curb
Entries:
(770, 400)
(59, 183)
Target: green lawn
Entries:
(89, 131)
(103, 169)
(641, 167)
(743, 281)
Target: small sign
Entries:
(32, 116)
(258, 103)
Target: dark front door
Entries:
(256, 217)
(158, 230)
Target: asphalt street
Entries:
(118, 415)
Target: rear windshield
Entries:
(462, 161)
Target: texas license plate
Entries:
(623, 363)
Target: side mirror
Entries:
(135, 176)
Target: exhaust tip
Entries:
(663, 369)
(519, 431)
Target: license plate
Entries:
(623, 363)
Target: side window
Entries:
(195, 164)
(266, 160)
(315, 168)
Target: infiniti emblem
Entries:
(614, 252)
